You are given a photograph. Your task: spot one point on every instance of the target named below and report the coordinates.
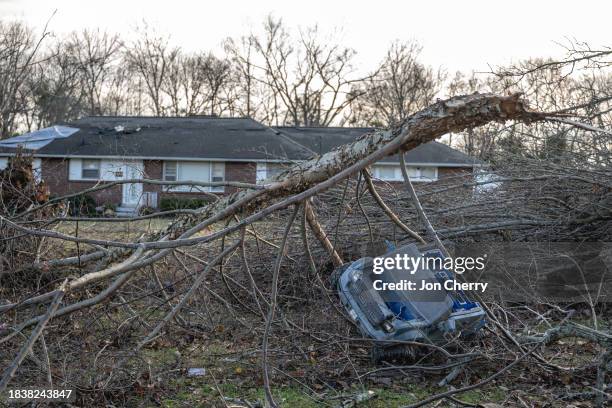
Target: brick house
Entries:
(81, 154)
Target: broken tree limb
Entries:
(38, 330)
(452, 115)
(272, 309)
(571, 329)
(392, 216)
(303, 230)
(165, 183)
(320, 234)
(419, 209)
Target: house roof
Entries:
(323, 139)
(176, 137)
(39, 138)
(210, 138)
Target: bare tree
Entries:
(217, 76)
(95, 53)
(241, 53)
(126, 94)
(194, 84)
(305, 82)
(401, 86)
(18, 54)
(150, 58)
(554, 87)
(53, 91)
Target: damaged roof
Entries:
(209, 138)
(175, 137)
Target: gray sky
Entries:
(458, 35)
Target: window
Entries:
(274, 169)
(194, 171)
(90, 169)
(217, 172)
(170, 171)
(413, 173)
(429, 173)
(391, 172)
(387, 172)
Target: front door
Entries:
(132, 192)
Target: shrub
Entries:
(110, 206)
(178, 203)
(146, 210)
(82, 205)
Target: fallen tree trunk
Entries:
(305, 179)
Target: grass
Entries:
(126, 231)
(231, 380)
(119, 230)
(194, 395)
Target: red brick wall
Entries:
(153, 169)
(55, 175)
(240, 171)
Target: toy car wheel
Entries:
(377, 354)
(397, 353)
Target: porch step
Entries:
(126, 211)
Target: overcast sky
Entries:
(458, 35)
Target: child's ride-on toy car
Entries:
(388, 316)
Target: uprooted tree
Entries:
(250, 254)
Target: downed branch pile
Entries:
(240, 285)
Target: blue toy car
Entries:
(427, 316)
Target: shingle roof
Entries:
(323, 139)
(178, 137)
(219, 138)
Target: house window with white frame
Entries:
(90, 169)
(427, 173)
(217, 174)
(393, 172)
(196, 172)
(170, 170)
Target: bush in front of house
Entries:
(146, 210)
(179, 203)
(82, 206)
